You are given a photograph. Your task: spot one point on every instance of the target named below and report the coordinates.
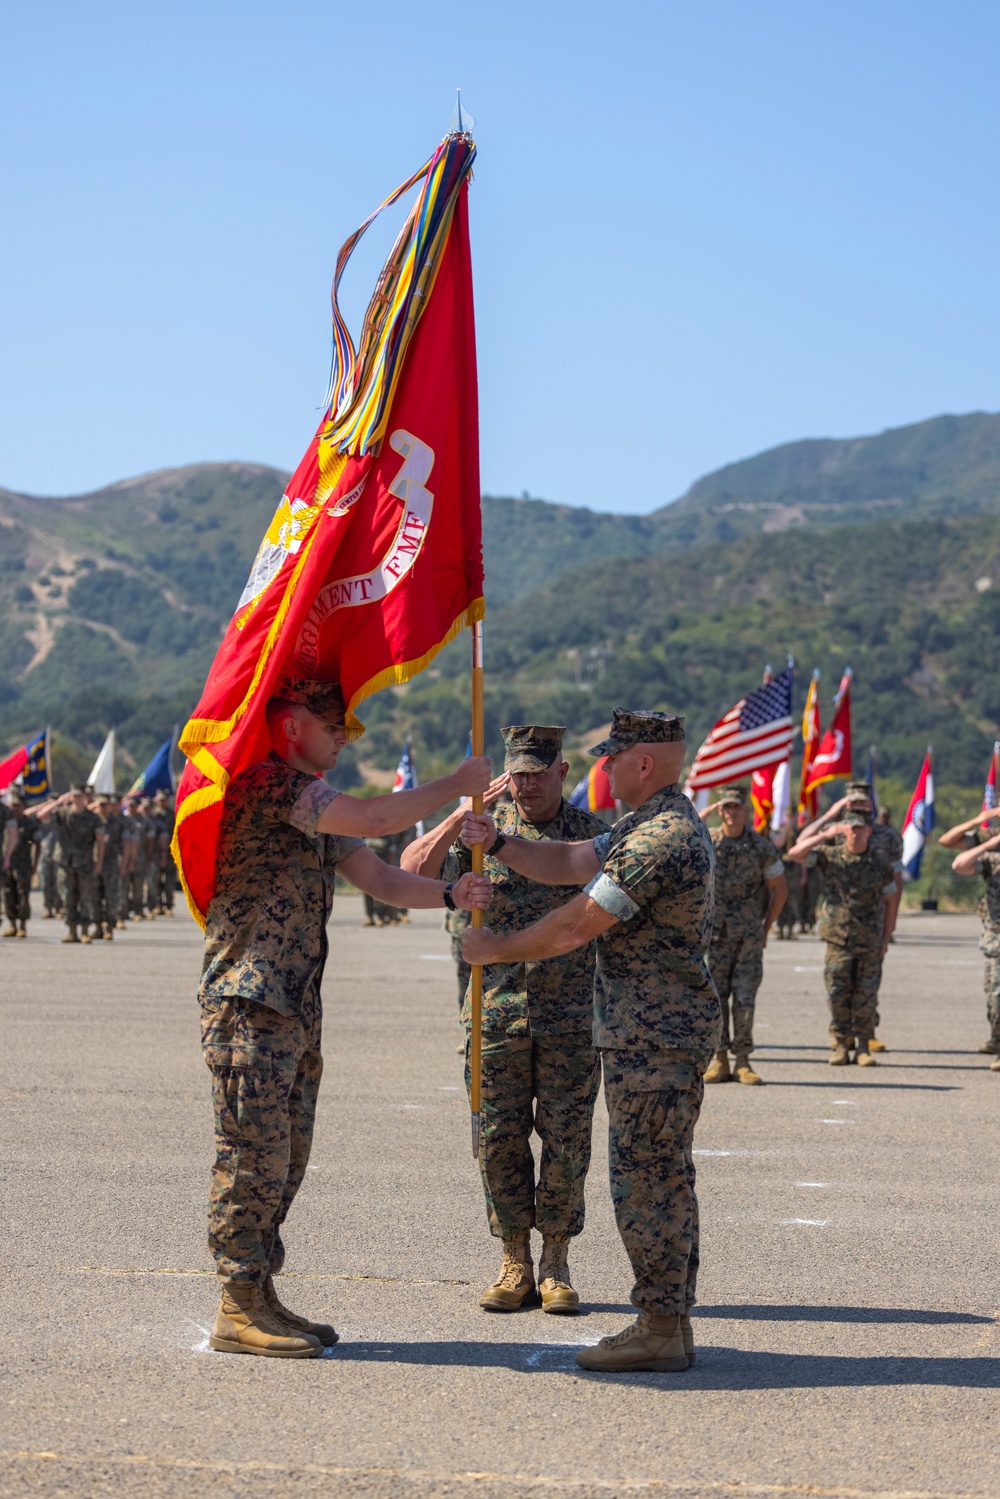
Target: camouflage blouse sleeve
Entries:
(770, 860)
(644, 865)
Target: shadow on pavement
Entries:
(842, 1085)
(717, 1368)
(786, 1313)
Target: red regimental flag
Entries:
(811, 735)
(374, 559)
(833, 755)
(762, 796)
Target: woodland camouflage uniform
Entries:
(657, 1020)
(855, 889)
(540, 1070)
(74, 856)
(743, 866)
(48, 870)
(17, 875)
(108, 890)
(265, 948)
(989, 942)
(883, 840)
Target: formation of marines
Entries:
(100, 861)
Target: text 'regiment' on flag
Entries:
(756, 732)
(373, 561)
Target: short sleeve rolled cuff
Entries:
(609, 896)
(889, 890)
(310, 805)
(773, 871)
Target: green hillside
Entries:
(111, 604)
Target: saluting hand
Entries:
(480, 946)
(478, 827)
(472, 892)
(472, 777)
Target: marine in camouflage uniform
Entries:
(108, 890)
(389, 849)
(857, 884)
(540, 1071)
(167, 873)
(648, 898)
(18, 868)
(455, 923)
(750, 891)
(78, 857)
(265, 950)
(133, 859)
(982, 857)
(883, 840)
(48, 880)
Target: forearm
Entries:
(399, 887)
(392, 813)
(804, 847)
(955, 837)
(553, 935)
(548, 862)
(892, 906)
(778, 897)
(425, 856)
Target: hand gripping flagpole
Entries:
(476, 995)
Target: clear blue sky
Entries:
(698, 229)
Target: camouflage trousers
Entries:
(653, 1104)
(107, 898)
(266, 1070)
(48, 882)
(16, 895)
(76, 894)
(135, 893)
(547, 1084)
(991, 984)
(463, 972)
(852, 980)
(737, 967)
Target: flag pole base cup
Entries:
(475, 1136)
(928, 905)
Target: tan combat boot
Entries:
(22, 930)
(514, 1287)
(11, 931)
(246, 1324)
(995, 1066)
(840, 1056)
(558, 1295)
(326, 1334)
(72, 935)
(875, 1044)
(687, 1334)
(863, 1056)
(745, 1073)
(718, 1068)
(653, 1342)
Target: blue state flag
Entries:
(159, 773)
(37, 774)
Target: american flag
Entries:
(758, 731)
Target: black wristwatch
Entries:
(447, 897)
(497, 845)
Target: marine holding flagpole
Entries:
(373, 562)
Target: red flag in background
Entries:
(762, 796)
(808, 802)
(373, 561)
(989, 790)
(833, 754)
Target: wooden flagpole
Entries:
(476, 996)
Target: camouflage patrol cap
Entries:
(322, 698)
(733, 796)
(78, 789)
(629, 727)
(855, 817)
(858, 791)
(531, 747)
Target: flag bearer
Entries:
(647, 899)
(540, 1070)
(858, 886)
(283, 833)
(750, 890)
(983, 858)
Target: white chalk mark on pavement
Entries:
(812, 1184)
(435, 957)
(835, 1121)
(202, 1345)
(808, 1222)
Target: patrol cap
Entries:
(629, 727)
(16, 797)
(735, 796)
(325, 699)
(856, 818)
(531, 746)
(78, 789)
(858, 791)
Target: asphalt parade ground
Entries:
(847, 1333)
